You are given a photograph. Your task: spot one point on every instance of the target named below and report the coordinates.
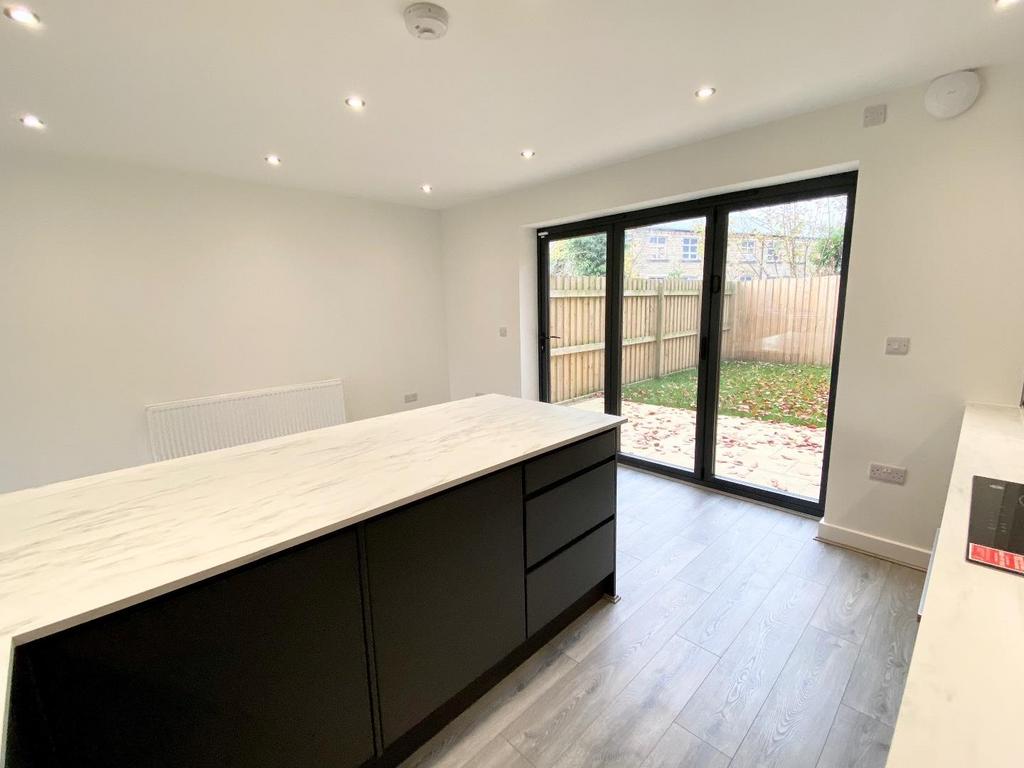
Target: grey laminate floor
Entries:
(739, 641)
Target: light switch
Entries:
(503, 331)
(897, 345)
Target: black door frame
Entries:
(715, 210)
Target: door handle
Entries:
(544, 341)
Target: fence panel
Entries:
(789, 320)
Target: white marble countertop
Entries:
(83, 548)
(965, 690)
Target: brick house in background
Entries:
(678, 251)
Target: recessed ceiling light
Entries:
(704, 92)
(427, 188)
(31, 121)
(274, 160)
(22, 15)
(528, 153)
(355, 102)
(1001, 4)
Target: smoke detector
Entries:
(426, 21)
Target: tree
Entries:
(579, 256)
(828, 253)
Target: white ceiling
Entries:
(214, 86)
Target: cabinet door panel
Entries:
(262, 666)
(446, 594)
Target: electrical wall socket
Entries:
(412, 397)
(503, 331)
(886, 473)
(897, 345)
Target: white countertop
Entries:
(964, 699)
(83, 548)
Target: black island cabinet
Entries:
(349, 650)
(261, 666)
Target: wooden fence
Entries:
(785, 320)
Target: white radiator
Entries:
(184, 427)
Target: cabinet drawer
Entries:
(564, 579)
(556, 517)
(554, 466)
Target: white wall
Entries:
(122, 286)
(937, 254)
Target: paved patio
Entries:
(768, 454)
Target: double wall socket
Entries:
(412, 397)
(886, 473)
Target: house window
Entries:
(748, 249)
(771, 254)
(690, 248)
(657, 245)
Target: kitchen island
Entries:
(331, 597)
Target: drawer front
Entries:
(564, 579)
(557, 465)
(556, 517)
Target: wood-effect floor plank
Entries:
(790, 729)
(715, 625)
(719, 514)
(635, 588)
(818, 561)
(485, 719)
(797, 526)
(856, 741)
(679, 748)
(851, 599)
(553, 723)
(876, 687)
(726, 704)
(625, 563)
(714, 565)
(626, 732)
(667, 515)
(498, 754)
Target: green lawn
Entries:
(794, 394)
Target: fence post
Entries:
(659, 330)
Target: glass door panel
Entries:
(780, 301)
(663, 285)
(575, 338)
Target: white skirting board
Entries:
(915, 557)
(201, 424)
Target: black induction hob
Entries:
(995, 536)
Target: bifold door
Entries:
(714, 326)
